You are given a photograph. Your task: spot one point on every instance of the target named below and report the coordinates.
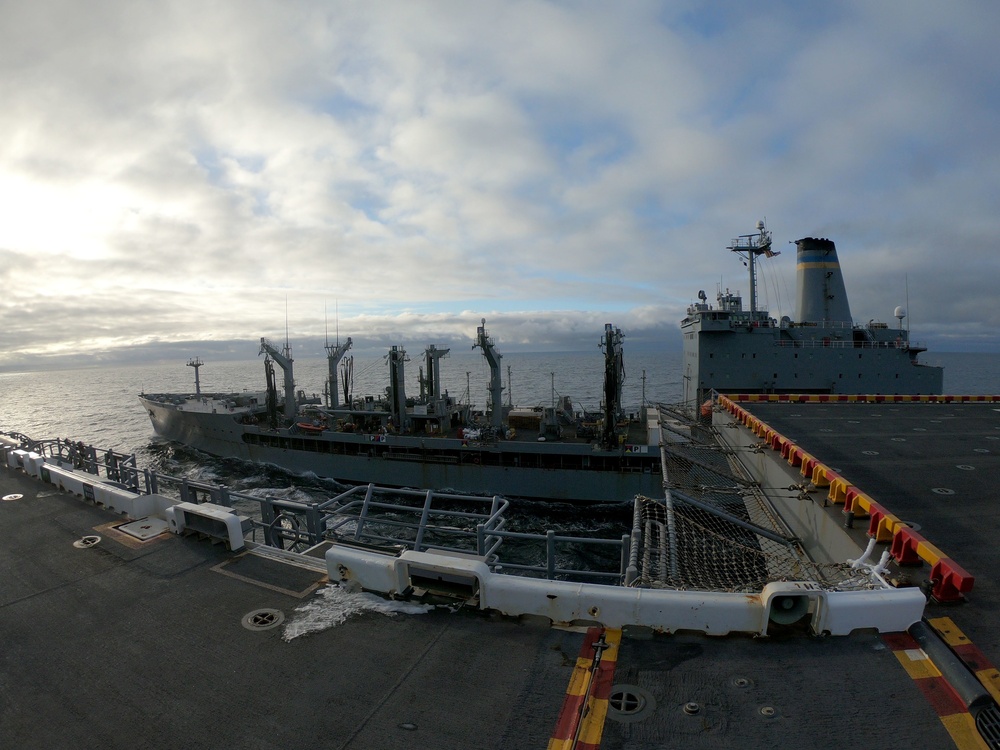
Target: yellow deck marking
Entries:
(988, 675)
(962, 728)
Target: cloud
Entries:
(181, 173)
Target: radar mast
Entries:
(196, 363)
(748, 247)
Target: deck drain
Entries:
(263, 619)
(768, 712)
(965, 467)
(629, 703)
(988, 724)
(87, 541)
(14, 496)
(870, 453)
(742, 682)
(942, 491)
(980, 450)
(898, 440)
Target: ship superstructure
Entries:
(732, 349)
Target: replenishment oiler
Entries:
(431, 440)
(554, 452)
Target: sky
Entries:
(182, 177)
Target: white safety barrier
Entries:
(668, 610)
(216, 521)
(27, 460)
(79, 483)
(112, 497)
(7, 445)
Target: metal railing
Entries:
(846, 344)
(389, 518)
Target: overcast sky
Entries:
(177, 172)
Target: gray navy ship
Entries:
(430, 439)
(735, 350)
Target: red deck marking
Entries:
(969, 654)
(581, 719)
(941, 696)
(947, 704)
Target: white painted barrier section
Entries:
(213, 520)
(7, 446)
(712, 613)
(887, 610)
(132, 504)
(371, 570)
(15, 458)
(114, 498)
(707, 612)
(67, 479)
(32, 463)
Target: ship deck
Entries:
(128, 644)
(934, 465)
(634, 432)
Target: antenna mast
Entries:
(748, 247)
(287, 350)
(196, 363)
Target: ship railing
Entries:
(845, 344)
(383, 521)
(436, 521)
(551, 569)
(118, 468)
(394, 519)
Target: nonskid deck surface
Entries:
(934, 465)
(125, 644)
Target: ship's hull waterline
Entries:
(520, 469)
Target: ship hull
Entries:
(545, 471)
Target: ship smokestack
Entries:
(822, 296)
